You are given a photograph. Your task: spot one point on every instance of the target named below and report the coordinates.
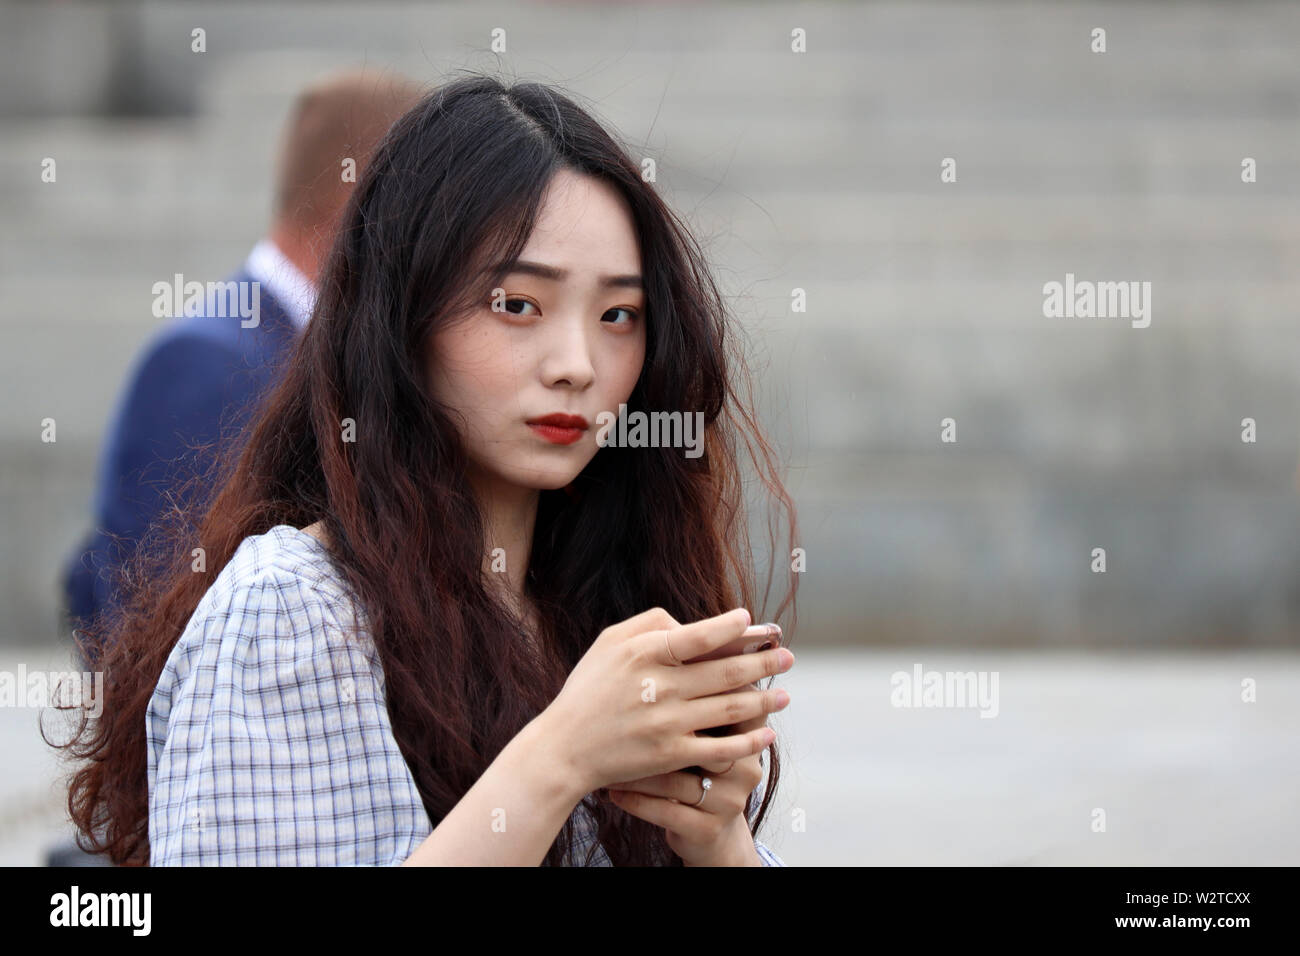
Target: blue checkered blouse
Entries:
(269, 741)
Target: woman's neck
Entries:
(509, 517)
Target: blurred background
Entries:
(818, 171)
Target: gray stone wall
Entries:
(818, 171)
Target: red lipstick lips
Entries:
(558, 428)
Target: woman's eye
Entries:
(519, 302)
(631, 316)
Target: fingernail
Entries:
(770, 735)
(748, 620)
(783, 697)
(787, 657)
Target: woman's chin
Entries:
(554, 483)
(545, 479)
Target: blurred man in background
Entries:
(202, 374)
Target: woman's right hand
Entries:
(628, 711)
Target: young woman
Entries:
(431, 616)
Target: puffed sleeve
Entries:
(270, 744)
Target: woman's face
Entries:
(565, 335)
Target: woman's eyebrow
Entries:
(555, 274)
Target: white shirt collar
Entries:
(285, 281)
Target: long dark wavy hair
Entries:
(450, 195)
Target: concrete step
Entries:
(161, 165)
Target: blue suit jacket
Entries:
(196, 382)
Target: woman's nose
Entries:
(567, 358)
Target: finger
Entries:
(677, 817)
(715, 767)
(719, 768)
(678, 786)
(639, 783)
(694, 639)
(730, 673)
(725, 797)
(654, 619)
(746, 776)
(698, 751)
(756, 637)
(728, 710)
(745, 726)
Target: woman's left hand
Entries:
(715, 833)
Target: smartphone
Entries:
(757, 637)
